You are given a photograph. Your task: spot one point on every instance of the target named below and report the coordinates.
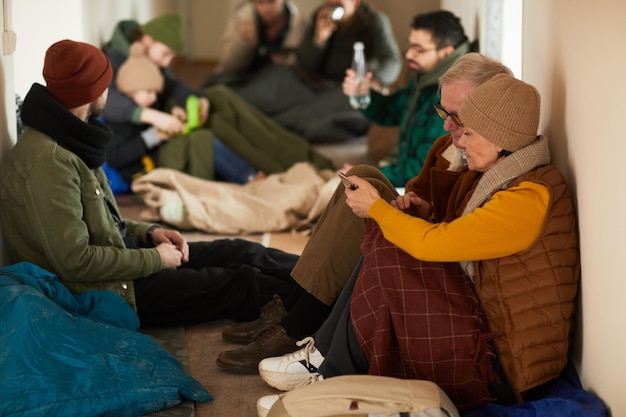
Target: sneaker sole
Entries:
(261, 411)
(280, 380)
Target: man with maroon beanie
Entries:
(59, 213)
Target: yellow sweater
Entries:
(506, 224)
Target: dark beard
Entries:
(96, 108)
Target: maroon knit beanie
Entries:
(76, 73)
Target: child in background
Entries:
(138, 148)
(255, 138)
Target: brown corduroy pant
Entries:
(334, 247)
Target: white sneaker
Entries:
(264, 404)
(293, 369)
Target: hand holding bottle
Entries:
(354, 85)
(360, 95)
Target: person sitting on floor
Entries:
(262, 143)
(333, 249)
(58, 212)
(307, 98)
(436, 41)
(258, 33)
(137, 149)
(471, 304)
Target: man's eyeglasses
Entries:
(444, 114)
(417, 49)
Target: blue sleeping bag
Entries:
(64, 354)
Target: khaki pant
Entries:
(335, 244)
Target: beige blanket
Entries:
(290, 200)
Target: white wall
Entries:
(30, 50)
(573, 52)
(90, 21)
(7, 107)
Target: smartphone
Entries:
(336, 13)
(346, 181)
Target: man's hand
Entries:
(361, 199)
(165, 240)
(170, 256)
(353, 86)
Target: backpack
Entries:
(365, 395)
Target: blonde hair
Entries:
(473, 68)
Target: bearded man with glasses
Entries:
(436, 41)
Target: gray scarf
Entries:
(498, 178)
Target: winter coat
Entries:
(65, 224)
(444, 181)
(530, 297)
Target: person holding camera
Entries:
(307, 97)
(258, 33)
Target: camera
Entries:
(336, 13)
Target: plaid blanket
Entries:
(421, 320)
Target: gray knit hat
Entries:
(504, 110)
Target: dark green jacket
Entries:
(53, 207)
(411, 108)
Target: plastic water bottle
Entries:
(361, 98)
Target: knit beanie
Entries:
(167, 29)
(76, 73)
(504, 110)
(138, 72)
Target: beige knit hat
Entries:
(138, 72)
(504, 110)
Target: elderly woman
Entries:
(482, 305)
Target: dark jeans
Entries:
(336, 340)
(228, 278)
(230, 166)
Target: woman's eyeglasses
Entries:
(444, 114)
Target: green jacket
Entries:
(54, 213)
(411, 108)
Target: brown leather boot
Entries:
(273, 341)
(245, 333)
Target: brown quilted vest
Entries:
(530, 297)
